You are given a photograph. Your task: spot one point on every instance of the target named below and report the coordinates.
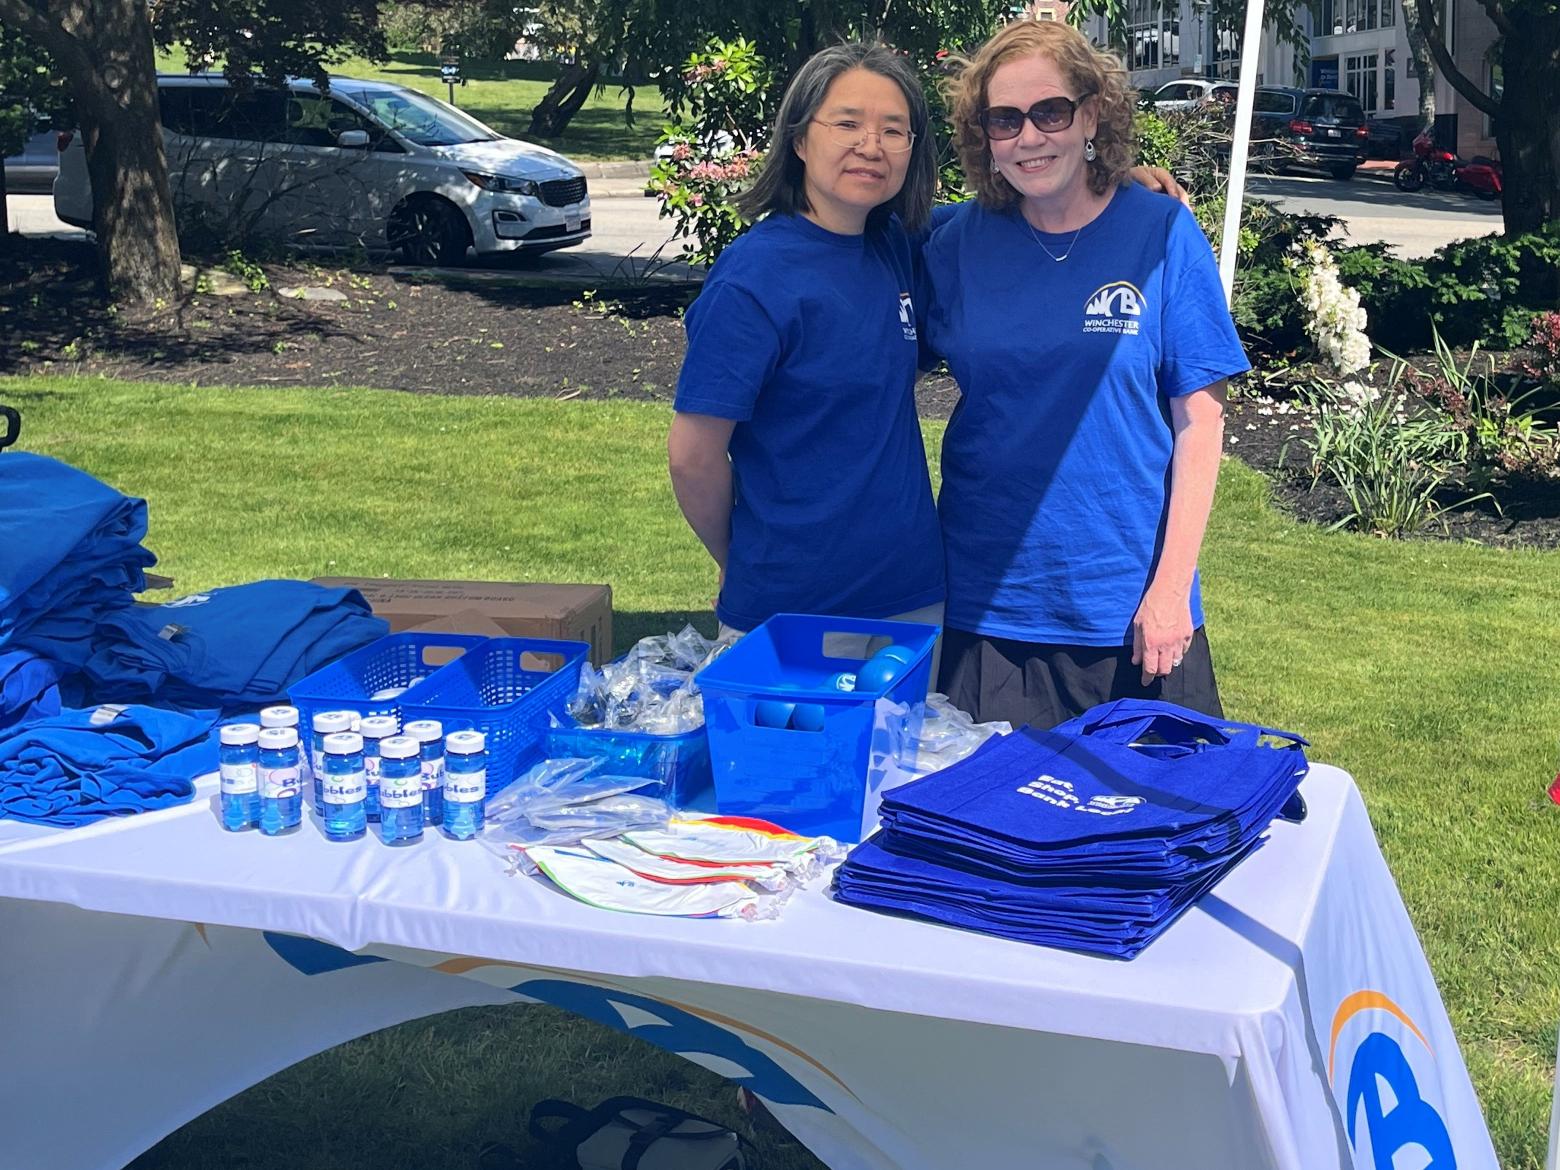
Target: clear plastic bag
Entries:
(563, 802)
(928, 737)
(649, 689)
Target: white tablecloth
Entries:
(1287, 1021)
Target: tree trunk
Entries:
(104, 48)
(1424, 65)
(1527, 129)
(132, 202)
(564, 99)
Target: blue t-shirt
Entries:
(1056, 462)
(808, 339)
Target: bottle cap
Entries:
(328, 721)
(273, 738)
(425, 730)
(343, 743)
(238, 734)
(399, 747)
(378, 726)
(279, 717)
(465, 743)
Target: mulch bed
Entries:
(476, 335)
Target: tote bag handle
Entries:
(1126, 720)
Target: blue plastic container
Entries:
(508, 689)
(349, 683)
(815, 782)
(680, 762)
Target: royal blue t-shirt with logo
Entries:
(1056, 462)
(808, 339)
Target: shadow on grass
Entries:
(628, 626)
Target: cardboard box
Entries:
(579, 613)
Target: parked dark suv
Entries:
(1308, 127)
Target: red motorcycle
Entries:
(1444, 171)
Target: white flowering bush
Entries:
(1335, 320)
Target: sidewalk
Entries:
(616, 179)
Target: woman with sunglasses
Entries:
(795, 452)
(1087, 328)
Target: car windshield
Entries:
(422, 119)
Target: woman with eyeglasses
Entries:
(1085, 323)
(795, 452)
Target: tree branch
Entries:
(1435, 40)
(52, 35)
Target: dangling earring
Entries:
(1089, 152)
(994, 166)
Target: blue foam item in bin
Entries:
(879, 672)
(394, 661)
(897, 653)
(680, 762)
(807, 717)
(823, 781)
(773, 713)
(507, 688)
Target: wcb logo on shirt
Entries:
(907, 316)
(1389, 1109)
(1114, 308)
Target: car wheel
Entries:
(428, 230)
(1343, 174)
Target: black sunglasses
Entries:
(1053, 114)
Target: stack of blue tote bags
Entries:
(1093, 836)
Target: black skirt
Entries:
(1044, 684)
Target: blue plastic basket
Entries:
(506, 688)
(680, 762)
(393, 661)
(822, 782)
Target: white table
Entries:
(1292, 997)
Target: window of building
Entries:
(1046, 14)
(1359, 78)
(1388, 13)
(1226, 52)
(1495, 86)
(1154, 37)
(1389, 79)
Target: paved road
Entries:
(627, 228)
(1374, 210)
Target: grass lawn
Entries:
(503, 94)
(1427, 670)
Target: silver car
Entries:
(368, 164)
(32, 172)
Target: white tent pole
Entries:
(1554, 1120)
(1250, 58)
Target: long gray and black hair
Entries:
(780, 186)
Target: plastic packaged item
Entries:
(239, 773)
(595, 880)
(429, 734)
(281, 781)
(400, 790)
(375, 730)
(649, 689)
(667, 869)
(343, 810)
(561, 802)
(465, 784)
(928, 737)
(734, 841)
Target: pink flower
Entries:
(696, 200)
(681, 151)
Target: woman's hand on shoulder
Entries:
(1160, 181)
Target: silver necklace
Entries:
(1070, 246)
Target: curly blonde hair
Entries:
(1086, 68)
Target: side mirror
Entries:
(352, 139)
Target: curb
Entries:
(615, 170)
(595, 279)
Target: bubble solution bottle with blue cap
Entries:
(281, 781)
(429, 733)
(239, 769)
(400, 791)
(465, 784)
(375, 730)
(345, 789)
(323, 724)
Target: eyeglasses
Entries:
(852, 135)
(1003, 122)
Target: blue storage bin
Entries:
(508, 689)
(681, 762)
(823, 781)
(393, 661)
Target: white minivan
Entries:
(367, 163)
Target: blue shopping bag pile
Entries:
(1094, 835)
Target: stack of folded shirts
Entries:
(1094, 836)
(234, 648)
(75, 767)
(72, 555)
